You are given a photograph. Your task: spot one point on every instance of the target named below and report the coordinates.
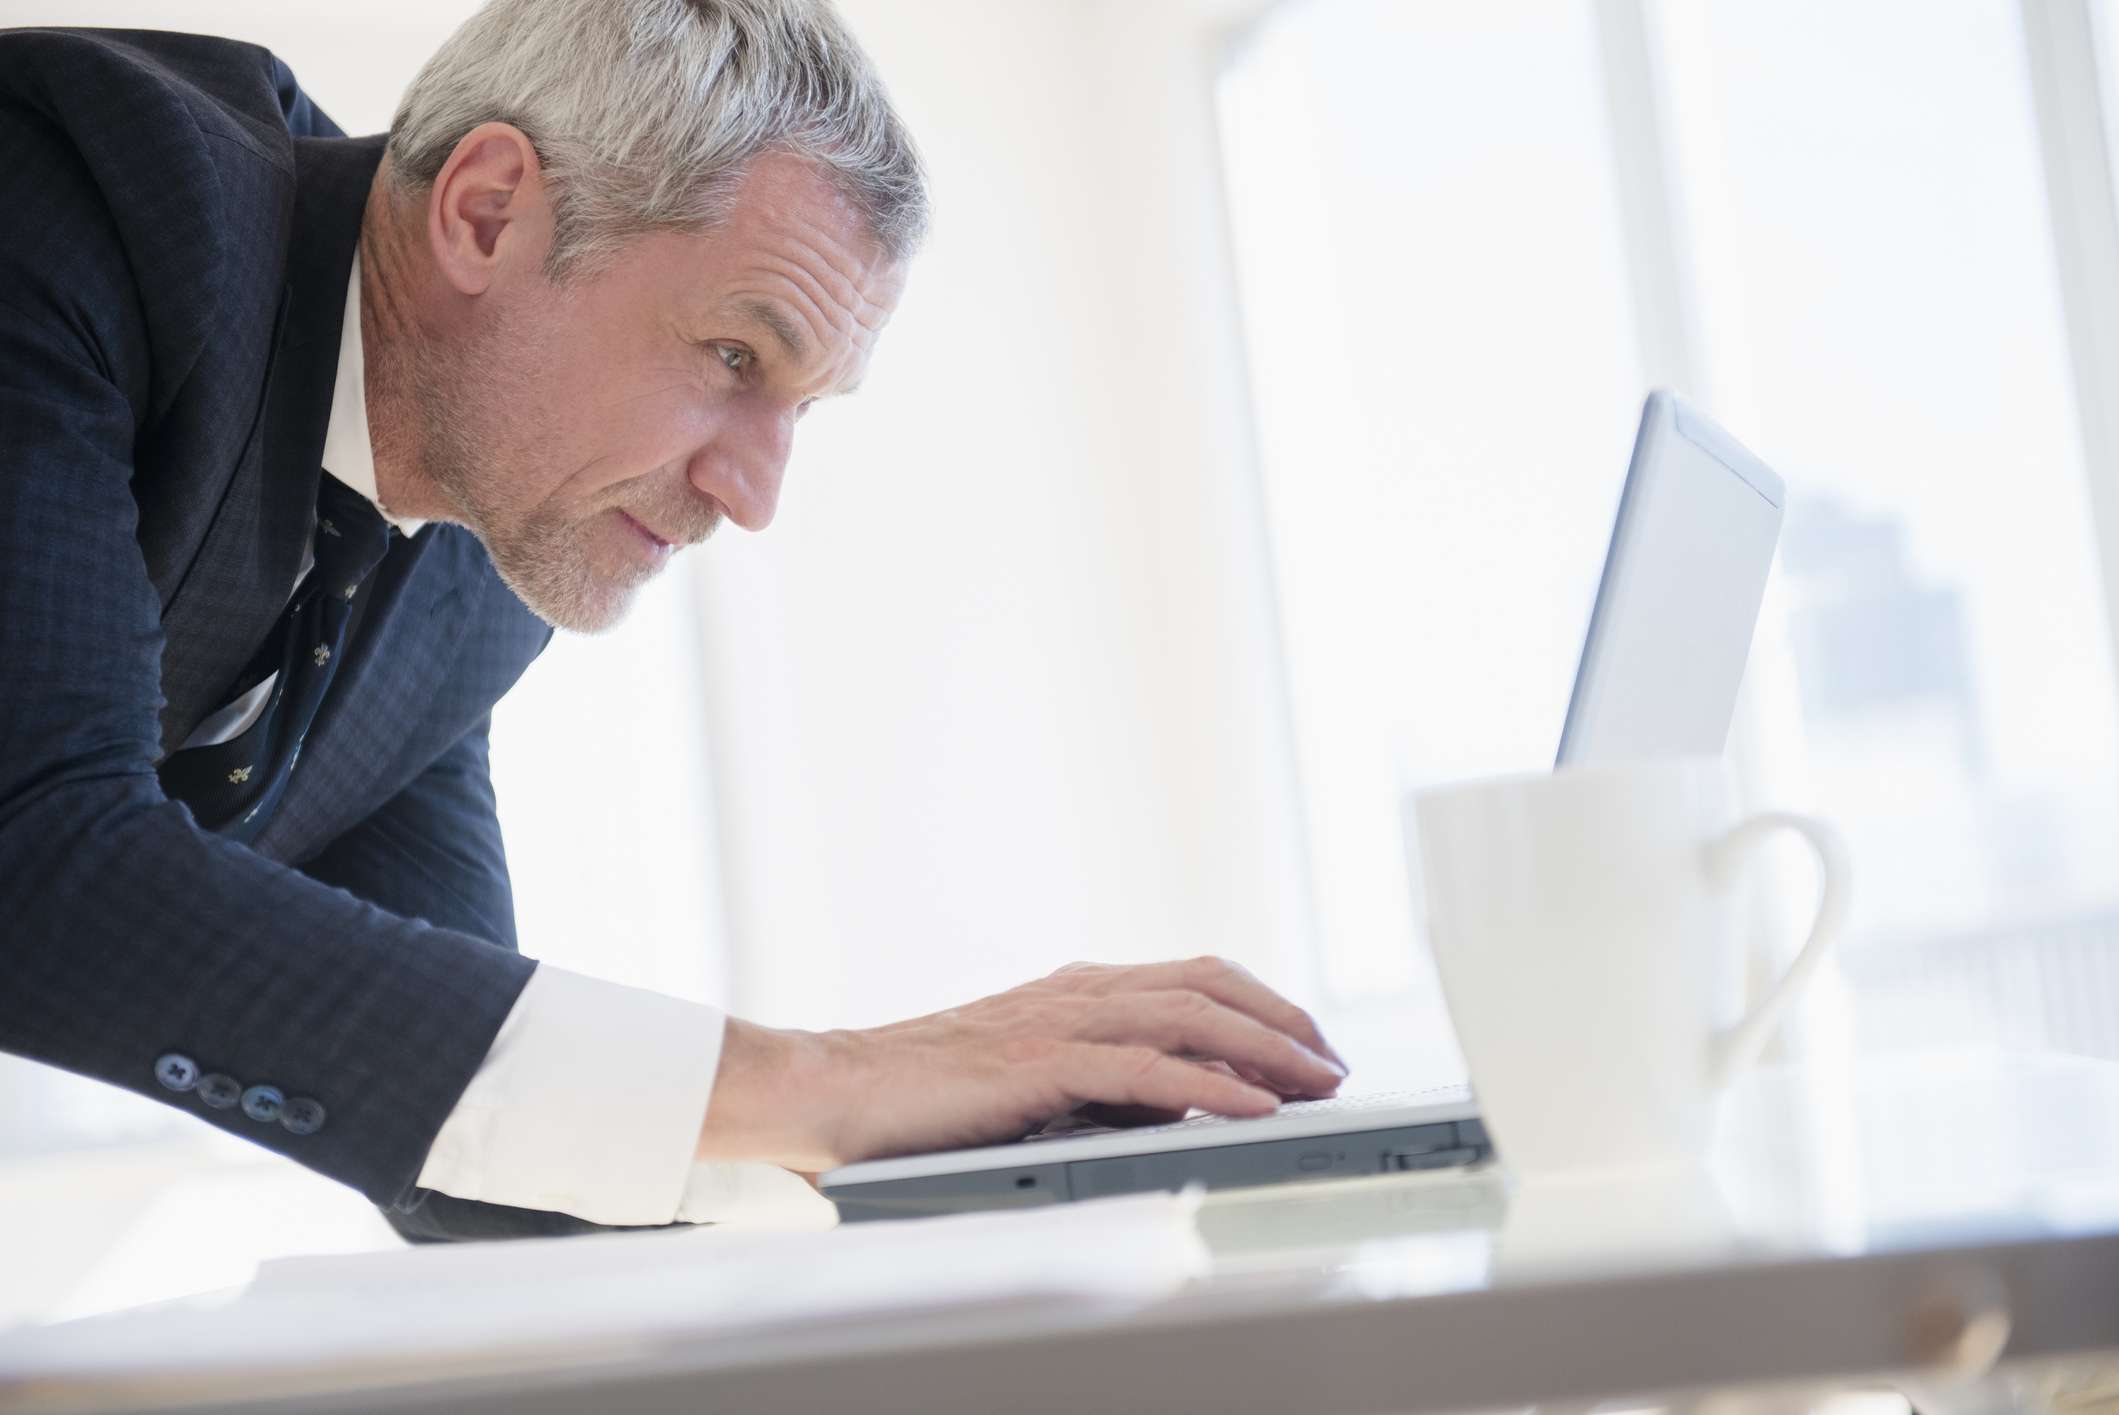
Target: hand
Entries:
(1146, 1037)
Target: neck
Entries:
(389, 331)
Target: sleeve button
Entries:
(220, 1091)
(176, 1071)
(262, 1103)
(302, 1116)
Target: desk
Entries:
(1928, 1215)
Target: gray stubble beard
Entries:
(537, 555)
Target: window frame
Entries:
(2069, 102)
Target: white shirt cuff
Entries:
(589, 1103)
(753, 1194)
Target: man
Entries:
(305, 444)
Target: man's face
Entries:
(591, 430)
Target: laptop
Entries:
(1668, 638)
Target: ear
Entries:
(489, 208)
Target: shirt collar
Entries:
(349, 456)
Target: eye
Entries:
(736, 359)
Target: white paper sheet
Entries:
(474, 1303)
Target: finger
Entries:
(1144, 1076)
(1126, 1117)
(1232, 985)
(1098, 1113)
(1255, 1079)
(1182, 1022)
(1225, 981)
(1130, 1115)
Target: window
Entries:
(1446, 384)
(1470, 238)
(1877, 288)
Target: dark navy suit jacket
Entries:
(177, 224)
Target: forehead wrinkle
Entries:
(807, 276)
(818, 359)
(811, 250)
(849, 258)
(778, 325)
(836, 355)
(813, 300)
(828, 311)
(843, 326)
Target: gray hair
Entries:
(647, 113)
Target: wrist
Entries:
(770, 1099)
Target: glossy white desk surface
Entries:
(1918, 1213)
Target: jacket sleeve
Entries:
(304, 118)
(127, 932)
(434, 852)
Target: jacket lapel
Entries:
(370, 736)
(247, 563)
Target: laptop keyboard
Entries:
(1334, 1105)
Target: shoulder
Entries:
(228, 89)
(151, 171)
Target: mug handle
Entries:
(1739, 1046)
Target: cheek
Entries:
(616, 440)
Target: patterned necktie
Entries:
(233, 787)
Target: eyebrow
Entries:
(780, 326)
(787, 332)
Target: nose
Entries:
(744, 463)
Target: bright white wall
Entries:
(997, 690)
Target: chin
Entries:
(579, 603)
(585, 614)
(580, 619)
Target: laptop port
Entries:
(1427, 1159)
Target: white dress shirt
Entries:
(590, 1100)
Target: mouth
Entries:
(660, 544)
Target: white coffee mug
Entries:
(1580, 922)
